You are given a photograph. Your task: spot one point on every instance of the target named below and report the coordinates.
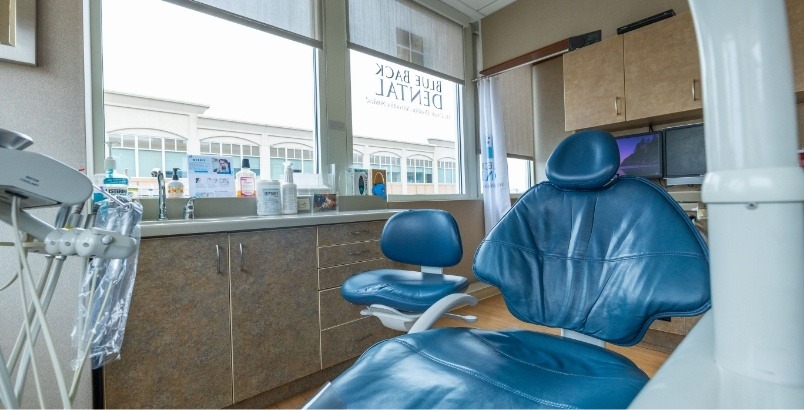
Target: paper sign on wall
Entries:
(210, 176)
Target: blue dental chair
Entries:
(407, 300)
(597, 255)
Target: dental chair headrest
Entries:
(584, 160)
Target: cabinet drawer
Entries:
(329, 278)
(335, 310)
(351, 253)
(350, 340)
(348, 233)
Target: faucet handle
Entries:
(189, 208)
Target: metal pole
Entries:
(754, 189)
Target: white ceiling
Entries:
(477, 9)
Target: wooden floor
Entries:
(492, 314)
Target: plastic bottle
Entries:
(269, 200)
(246, 181)
(175, 188)
(288, 189)
(113, 182)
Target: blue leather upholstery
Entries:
(603, 262)
(586, 251)
(425, 237)
(409, 291)
(584, 160)
(470, 368)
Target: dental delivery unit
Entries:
(106, 238)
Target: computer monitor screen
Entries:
(640, 154)
(684, 151)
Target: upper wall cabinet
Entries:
(795, 15)
(594, 93)
(662, 73)
(653, 71)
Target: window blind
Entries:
(409, 34)
(516, 93)
(297, 20)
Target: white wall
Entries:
(47, 103)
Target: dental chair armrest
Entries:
(438, 309)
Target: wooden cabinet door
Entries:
(795, 16)
(177, 348)
(662, 72)
(594, 93)
(275, 330)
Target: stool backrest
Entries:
(424, 237)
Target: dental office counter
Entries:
(244, 311)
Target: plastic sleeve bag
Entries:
(105, 294)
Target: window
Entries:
(409, 46)
(300, 158)
(390, 163)
(520, 175)
(357, 158)
(215, 75)
(407, 73)
(237, 151)
(206, 68)
(446, 171)
(420, 170)
(138, 155)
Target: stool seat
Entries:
(452, 368)
(409, 291)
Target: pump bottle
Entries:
(175, 188)
(288, 191)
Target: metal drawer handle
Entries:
(355, 253)
(694, 97)
(617, 105)
(218, 257)
(241, 256)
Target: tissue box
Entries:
(325, 202)
(357, 181)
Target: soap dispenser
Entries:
(175, 188)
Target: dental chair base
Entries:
(416, 322)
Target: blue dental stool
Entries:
(597, 255)
(408, 300)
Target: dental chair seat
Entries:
(472, 368)
(410, 291)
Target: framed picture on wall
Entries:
(18, 31)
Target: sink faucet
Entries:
(189, 208)
(160, 180)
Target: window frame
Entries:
(332, 130)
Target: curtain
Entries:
(494, 165)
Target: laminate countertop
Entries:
(175, 227)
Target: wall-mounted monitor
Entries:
(640, 154)
(684, 155)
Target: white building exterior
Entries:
(147, 132)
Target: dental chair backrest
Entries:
(594, 253)
(424, 237)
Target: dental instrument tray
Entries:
(38, 179)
